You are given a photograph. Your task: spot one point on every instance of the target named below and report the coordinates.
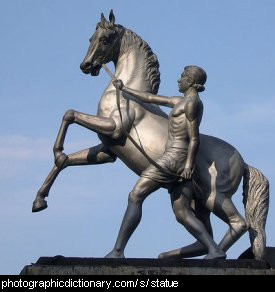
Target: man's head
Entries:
(197, 77)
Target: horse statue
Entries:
(219, 166)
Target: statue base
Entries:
(60, 265)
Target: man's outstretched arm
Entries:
(146, 96)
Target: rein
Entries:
(176, 176)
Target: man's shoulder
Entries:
(192, 107)
(193, 101)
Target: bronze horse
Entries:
(219, 166)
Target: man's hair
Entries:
(197, 75)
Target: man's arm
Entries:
(192, 113)
(146, 96)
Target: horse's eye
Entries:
(104, 41)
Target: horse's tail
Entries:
(256, 202)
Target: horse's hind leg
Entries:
(94, 155)
(195, 249)
(224, 208)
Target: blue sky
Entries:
(42, 45)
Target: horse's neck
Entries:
(131, 69)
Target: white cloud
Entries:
(17, 152)
(258, 113)
(21, 148)
(16, 147)
(238, 118)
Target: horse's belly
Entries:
(219, 166)
(150, 133)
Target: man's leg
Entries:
(143, 188)
(181, 202)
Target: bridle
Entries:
(176, 176)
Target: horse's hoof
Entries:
(169, 256)
(39, 205)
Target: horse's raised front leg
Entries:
(94, 155)
(100, 125)
(105, 126)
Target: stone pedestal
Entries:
(60, 265)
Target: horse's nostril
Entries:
(83, 66)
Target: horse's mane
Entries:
(152, 65)
(129, 38)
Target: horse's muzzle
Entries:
(85, 67)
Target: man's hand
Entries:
(118, 84)
(187, 173)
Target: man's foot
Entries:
(115, 255)
(219, 254)
(173, 254)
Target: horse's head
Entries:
(104, 45)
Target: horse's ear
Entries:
(112, 17)
(103, 19)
